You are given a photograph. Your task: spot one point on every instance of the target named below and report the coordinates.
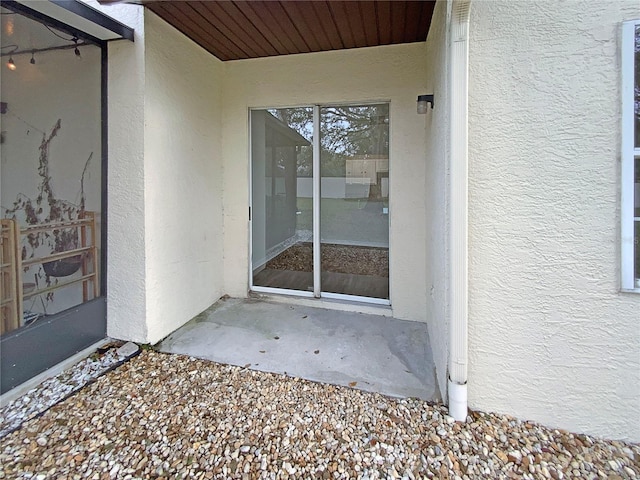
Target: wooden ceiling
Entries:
(235, 29)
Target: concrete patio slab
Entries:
(370, 352)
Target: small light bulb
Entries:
(10, 64)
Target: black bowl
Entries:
(64, 267)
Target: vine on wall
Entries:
(46, 209)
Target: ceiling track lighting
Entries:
(11, 65)
(76, 50)
(32, 52)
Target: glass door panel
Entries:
(50, 173)
(354, 202)
(282, 198)
(52, 234)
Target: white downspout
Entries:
(458, 248)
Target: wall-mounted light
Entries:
(33, 60)
(76, 50)
(423, 101)
(11, 64)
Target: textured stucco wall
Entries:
(436, 195)
(165, 192)
(395, 73)
(550, 336)
(183, 178)
(126, 281)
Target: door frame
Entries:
(317, 268)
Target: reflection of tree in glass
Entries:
(350, 131)
(300, 120)
(345, 132)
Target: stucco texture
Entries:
(551, 338)
(126, 282)
(165, 179)
(436, 195)
(390, 73)
(183, 178)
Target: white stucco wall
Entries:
(183, 178)
(551, 338)
(165, 192)
(126, 281)
(395, 73)
(436, 182)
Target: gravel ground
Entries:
(172, 416)
(53, 390)
(354, 259)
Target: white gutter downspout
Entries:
(458, 247)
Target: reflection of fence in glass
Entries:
(355, 224)
(346, 133)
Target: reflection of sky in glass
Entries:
(354, 131)
(299, 119)
(345, 130)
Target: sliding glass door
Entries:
(354, 206)
(282, 195)
(337, 187)
(52, 193)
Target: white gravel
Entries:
(55, 389)
(170, 416)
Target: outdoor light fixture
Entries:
(11, 65)
(76, 50)
(423, 101)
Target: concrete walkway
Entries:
(370, 352)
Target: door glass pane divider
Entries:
(317, 274)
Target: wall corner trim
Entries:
(458, 136)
